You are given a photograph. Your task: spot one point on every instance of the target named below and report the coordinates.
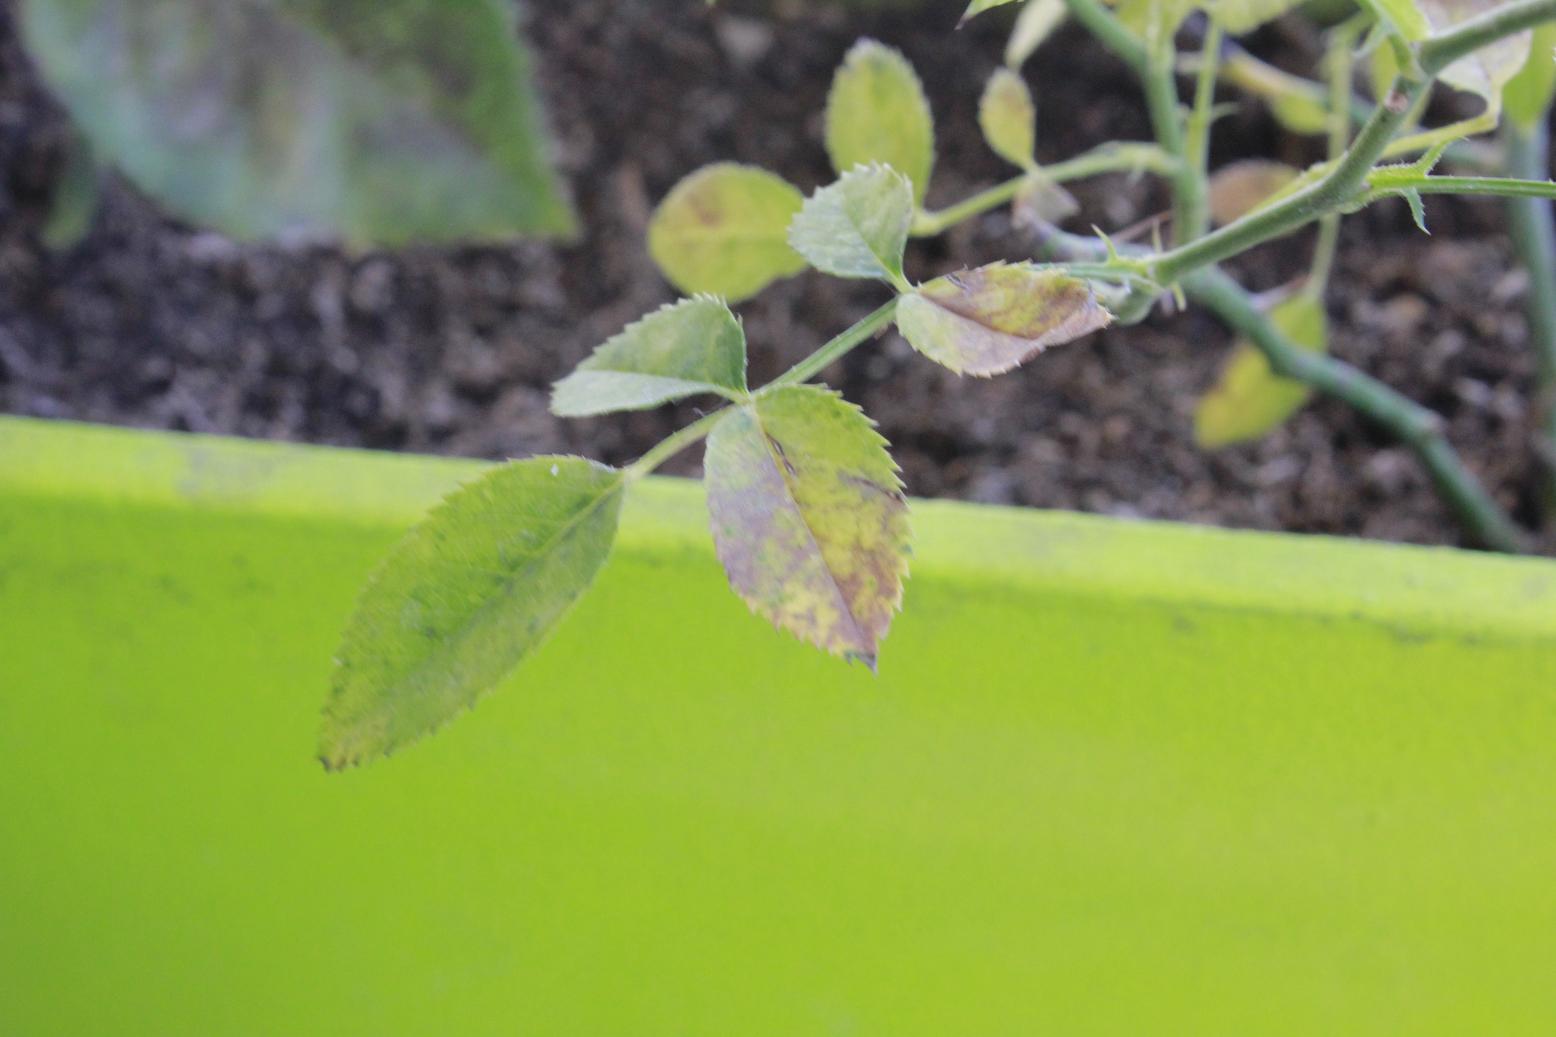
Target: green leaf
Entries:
(986, 321)
(1239, 188)
(689, 347)
(463, 598)
(858, 226)
(1403, 18)
(876, 113)
(1249, 400)
(724, 230)
(1036, 22)
(809, 518)
(977, 7)
(1527, 96)
(1243, 16)
(1488, 70)
(1008, 118)
(377, 121)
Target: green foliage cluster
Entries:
(805, 505)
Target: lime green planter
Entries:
(1113, 778)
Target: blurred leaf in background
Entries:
(377, 122)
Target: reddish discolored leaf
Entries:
(809, 517)
(986, 321)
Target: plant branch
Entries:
(1111, 32)
(1193, 216)
(1501, 186)
(1442, 49)
(1108, 158)
(1532, 224)
(838, 347)
(1415, 426)
(674, 443)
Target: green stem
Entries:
(674, 443)
(1193, 203)
(838, 347)
(1415, 426)
(1501, 186)
(1338, 188)
(1443, 49)
(1111, 32)
(1532, 224)
(1341, 69)
(803, 371)
(1412, 424)
(1109, 158)
(1160, 80)
(1344, 182)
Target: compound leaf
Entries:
(378, 123)
(877, 113)
(986, 321)
(857, 226)
(1008, 118)
(809, 517)
(1249, 400)
(463, 598)
(689, 347)
(724, 230)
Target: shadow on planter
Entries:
(1114, 778)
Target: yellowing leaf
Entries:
(1249, 400)
(1153, 19)
(465, 596)
(724, 230)
(1036, 22)
(690, 347)
(378, 123)
(858, 226)
(1486, 71)
(1241, 187)
(876, 113)
(809, 518)
(985, 321)
(1404, 17)
(1240, 16)
(1009, 118)
(1527, 96)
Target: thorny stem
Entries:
(1414, 425)
(1532, 224)
(833, 350)
(1501, 186)
(1343, 183)
(1109, 158)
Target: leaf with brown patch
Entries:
(809, 517)
(986, 321)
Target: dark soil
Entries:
(154, 324)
